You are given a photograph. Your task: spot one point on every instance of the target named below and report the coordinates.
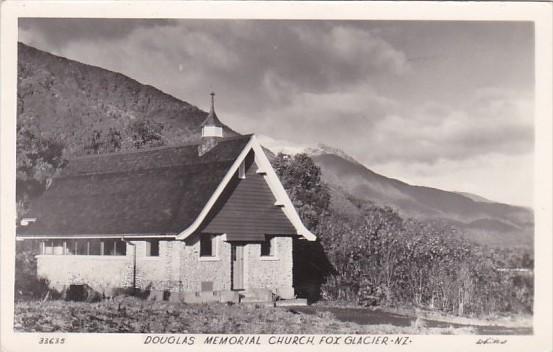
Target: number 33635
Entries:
(51, 341)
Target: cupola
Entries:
(212, 130)
(212, 127)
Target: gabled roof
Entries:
(157, 191)
(164, 191)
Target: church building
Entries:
(195, 223)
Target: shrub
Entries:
(27, 285)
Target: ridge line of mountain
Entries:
(70, 100)
(122, 75)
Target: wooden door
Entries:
(237, 266)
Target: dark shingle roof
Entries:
(156, 191)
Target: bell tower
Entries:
(212, 130)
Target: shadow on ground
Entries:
(365, 316)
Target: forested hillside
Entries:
(71, 101)
(66, 108)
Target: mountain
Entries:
(486, 222)
(323, 149)
(69, 100)
(475, 197)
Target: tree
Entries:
(146, 133)
(38, 159)
(137, 135)
(302, 180)
(101, 142)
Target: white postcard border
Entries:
(539, 13)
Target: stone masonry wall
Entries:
(273, 273)
(153, 272)
(178, 268)
(100, 272)
(194, 269)
(105, 272)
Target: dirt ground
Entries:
(139, 316)
(402, 318)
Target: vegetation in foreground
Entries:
(133, 315)
(375, 258)
(380, 258)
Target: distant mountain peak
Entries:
(478, 218)
(322, 149)
(475, 197)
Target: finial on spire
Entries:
(212, 101)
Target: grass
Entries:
(515, 320)
(132, 315)
(507, 320)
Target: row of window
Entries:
(116, 247)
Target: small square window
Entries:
(59, 247)
(109, 247)
(95, 247)
(268, 247)
(152, 248)
(70, 246)
(207, 245)
(81, 247)
(48, 247)
(120, 248)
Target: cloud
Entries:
(58, 32)
(375, 128)
(272, 59)
(434, 132)
(346, 45)
(281, 145)
(341, 118)
(412, 94)
(502, 178)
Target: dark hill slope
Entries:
(486, 222)
(68, 100)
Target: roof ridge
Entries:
(60, 177)
(127, 152)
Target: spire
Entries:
(212, 119)
(212, 130)
(212, 111)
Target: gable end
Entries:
(265, 170)
(246, 210)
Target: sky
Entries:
(440, 104)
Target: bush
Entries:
(384, 260)
(380, 258)
(27, 285)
